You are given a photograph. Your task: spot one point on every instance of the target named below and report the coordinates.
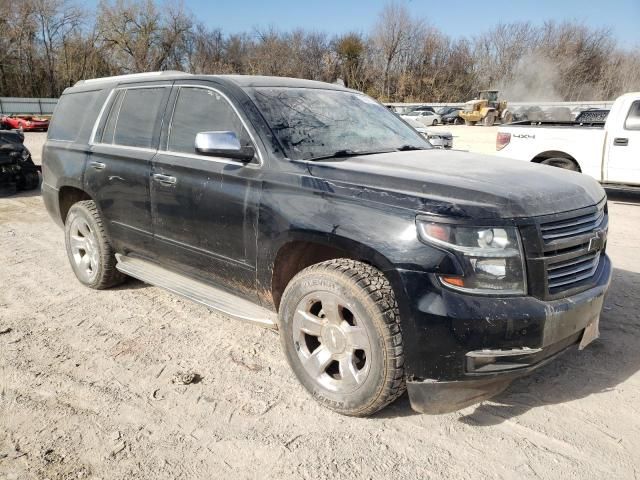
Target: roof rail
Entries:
(131, 76)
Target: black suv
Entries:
(310, 208)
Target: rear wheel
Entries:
(340, 330)
(560, 162)
(90, 253)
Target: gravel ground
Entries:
(92, 385)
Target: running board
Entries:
(212, 297)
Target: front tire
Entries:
(91, 256)
(489, 120)
(340, 331)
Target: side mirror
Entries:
(223, 144)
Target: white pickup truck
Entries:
(608, 151)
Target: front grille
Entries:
(571, 227)
(564, 251)
(568, 273)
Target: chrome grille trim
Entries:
(571, 227)
(577, 270)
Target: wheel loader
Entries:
(486, 109)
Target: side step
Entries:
(212, 297)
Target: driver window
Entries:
(201, 110)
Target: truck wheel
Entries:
(560, 162)
(340, 331)
(507, 118)
(90, 253)
(489, 120)
(469, 123)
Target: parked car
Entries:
(26, 123)
(17, 170)
(436, 138)
(425, 117)
(451, 115)
(605, 150)
(307, 207)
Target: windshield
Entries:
(315, 123)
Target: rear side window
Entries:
(202, 110)
(71, 114)
(134, 117)
(633, 118)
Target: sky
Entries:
(455, 18)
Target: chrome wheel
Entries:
(84, 249)
(331, 342)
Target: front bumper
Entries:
(461, 349)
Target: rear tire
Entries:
(340, 331)
(559, 162)
(91, 256)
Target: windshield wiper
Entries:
(344, 153)
(406, 148)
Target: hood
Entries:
(459, 184)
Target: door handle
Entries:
(98, 165)
(621, 142)
(165, 179)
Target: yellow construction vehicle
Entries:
(486, 109)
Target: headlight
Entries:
(491, 258)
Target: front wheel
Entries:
(90, 253)
(340, 331)
(435, 122)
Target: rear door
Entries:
(119, 164)
(623, 145)
(205, 208)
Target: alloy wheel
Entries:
(331, 342)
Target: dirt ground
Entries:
(91, 385)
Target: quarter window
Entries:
(633, 118)
(202, 110)
(71, 114)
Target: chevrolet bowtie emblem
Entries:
(597, 242)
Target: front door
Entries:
(119, 164)
(623, 145)
(205, 208)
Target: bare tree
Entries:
(47, 45)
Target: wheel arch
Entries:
(306, 249)
(555, 154)
(67, 196)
